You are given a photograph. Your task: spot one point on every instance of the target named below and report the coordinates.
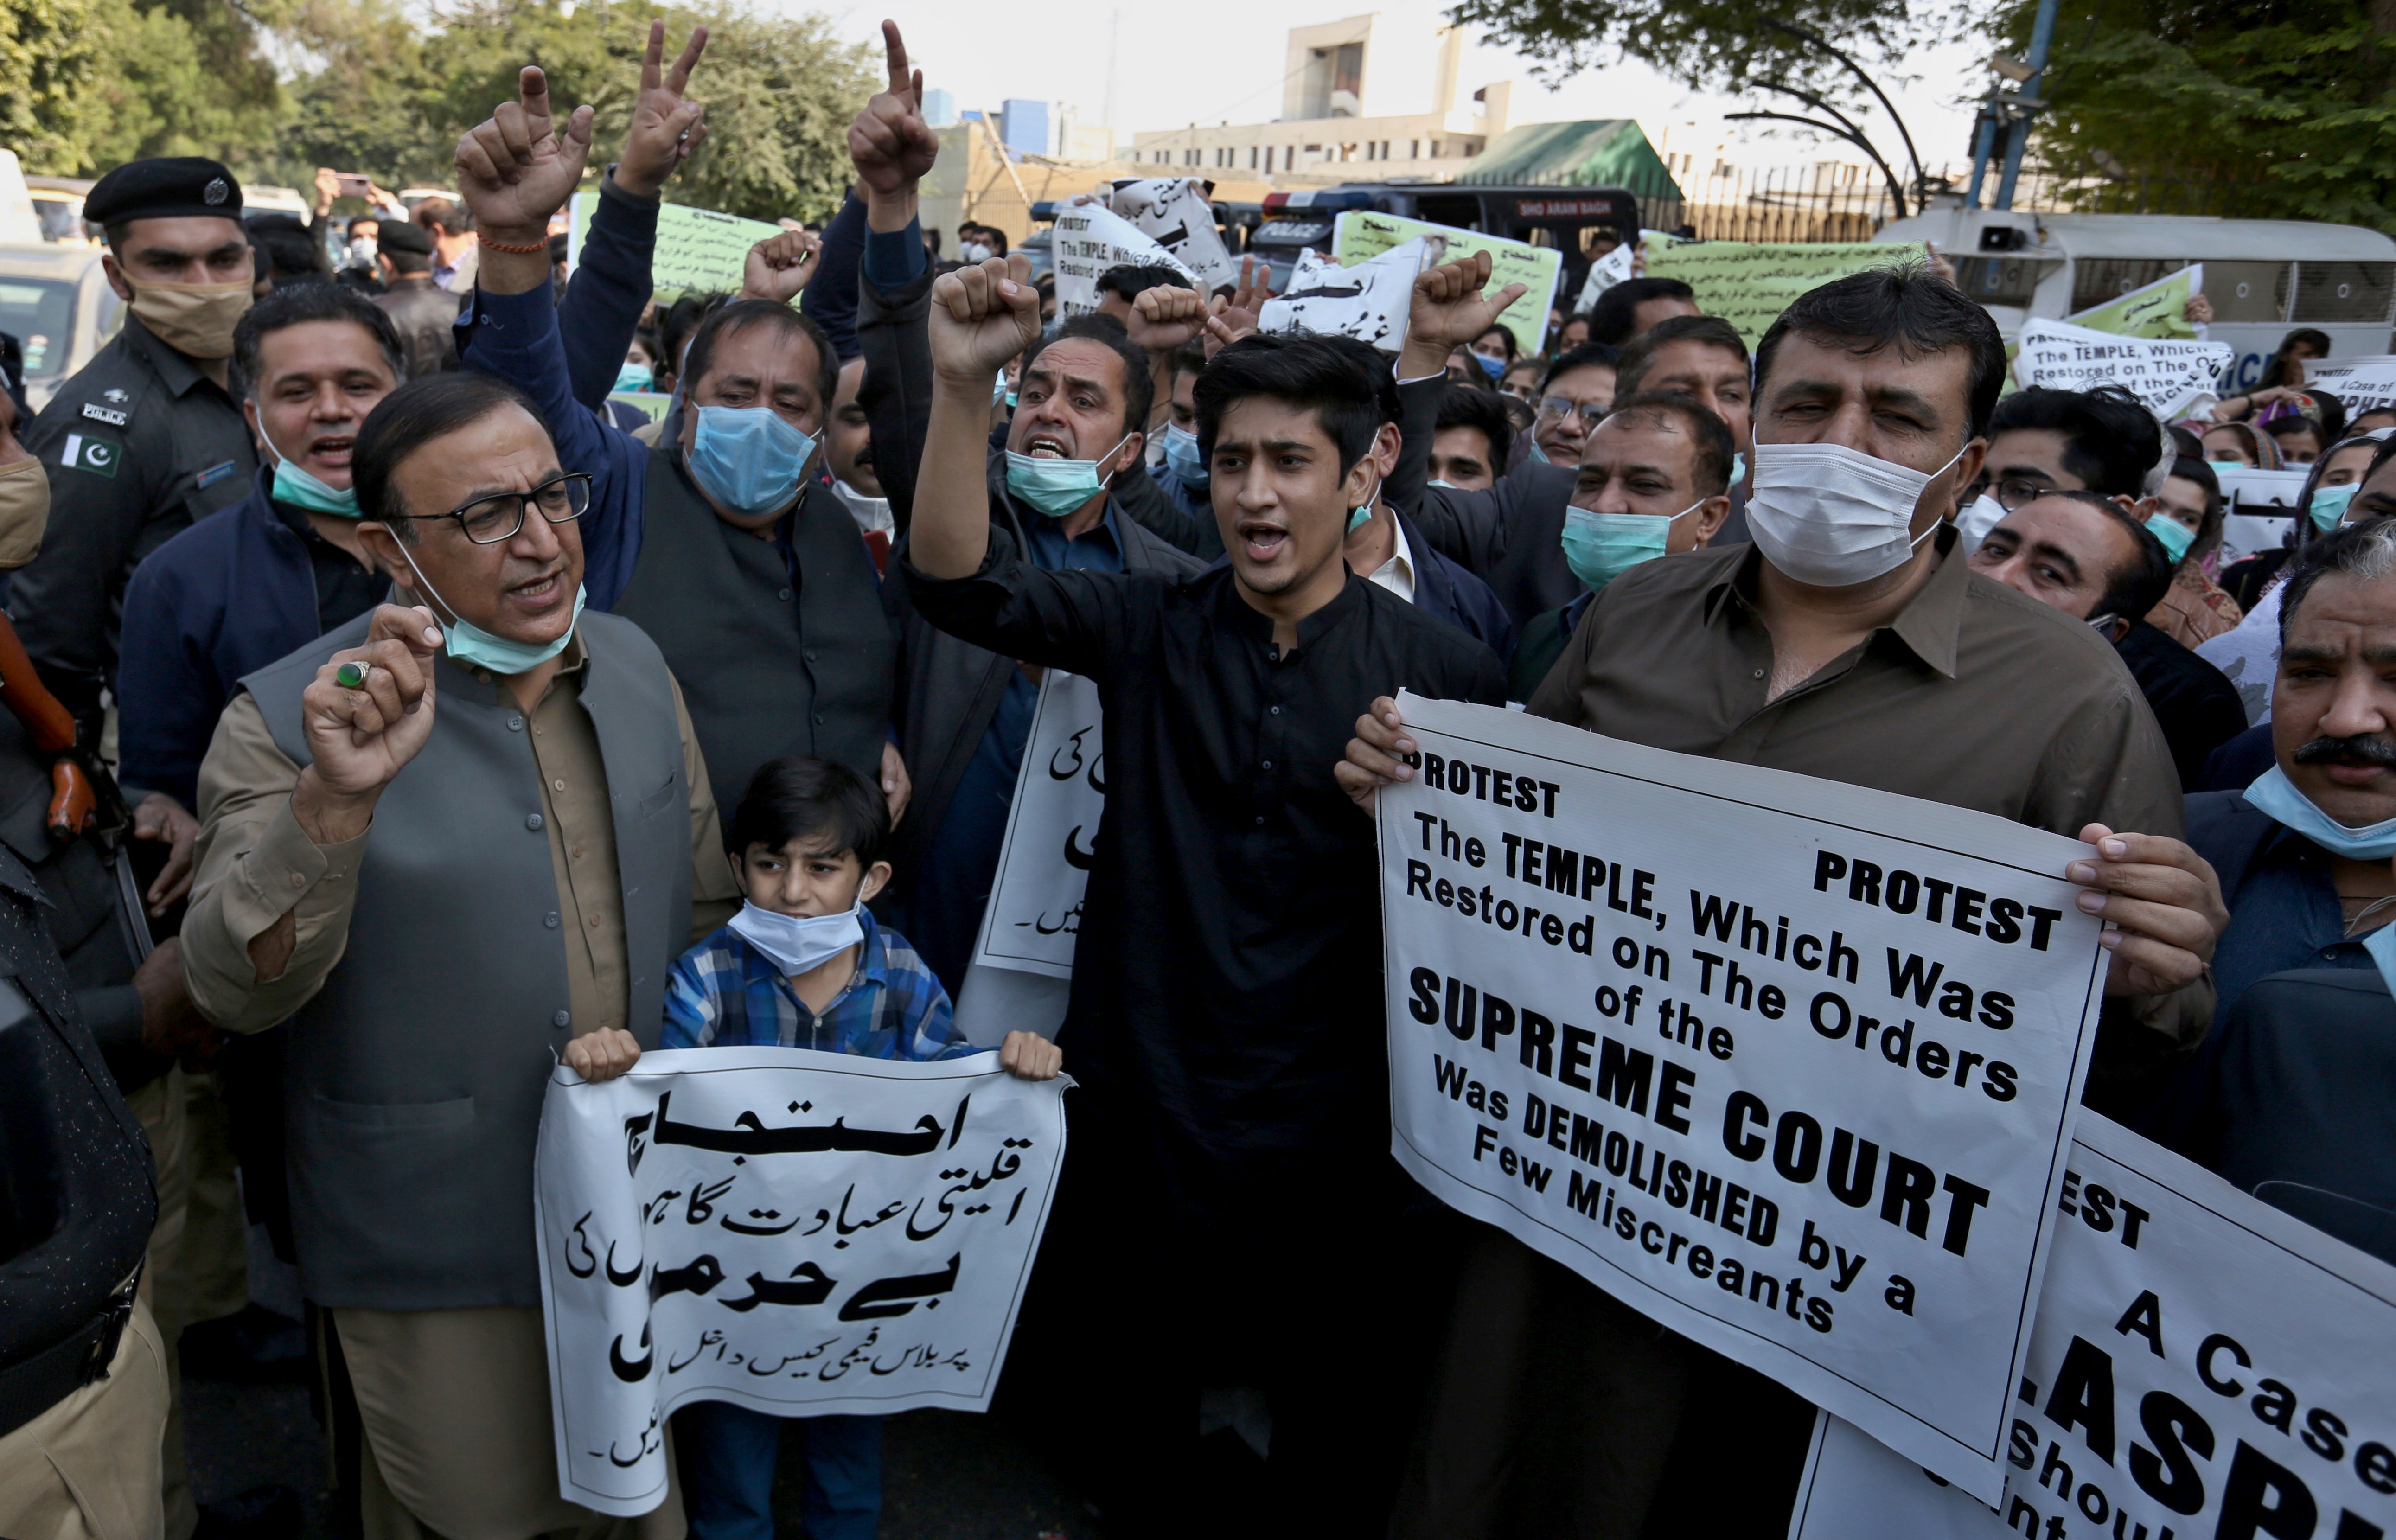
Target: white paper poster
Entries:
(1091, 238)
(1034, 914)
(2169, 376)
(1786, 1065)
(1613, 268)
(2204, 1365)
(2365, 383)
(1175, 211)
(1369, 302)
(797, 1232)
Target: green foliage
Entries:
(374, 92)
(2265, 111)
(1708, 45)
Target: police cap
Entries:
(164, 187)
(399, 235)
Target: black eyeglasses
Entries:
(1563, 407)
(487, 520)
(2012, 493)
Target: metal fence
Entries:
(1834, 201)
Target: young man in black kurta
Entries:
(1236, 1211)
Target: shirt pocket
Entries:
(657, 802)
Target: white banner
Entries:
(1035, 913)
(1369, 302)
(1613, 268)
(1091, 238)
(1175, 211)
(797, 1232)
(1787, 1064)
(2203, 1364)
(2169, 376)
(2365, 383)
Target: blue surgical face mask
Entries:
(1601, 547)
(1450, 485)
(299, 489)
(1538, 453)
(1181, 454)
(2278, 798)
(634, 377)
(470, 645)
(1494, 368)
(1010, 401)
(1358, 517)
(1055, 488)
(2381, 945)
(2327, 509)
(798, 943)
(1737, 467)
(2177, 537)
(2228, 465)
(749, 458)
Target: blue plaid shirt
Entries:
(725, 992)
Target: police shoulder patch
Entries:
(104, 414)
(89, 452)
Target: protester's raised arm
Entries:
(981, 316)
(1447, 310)
(514, 171)
(890, 143)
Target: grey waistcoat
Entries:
(413, 1080)
(770, 664)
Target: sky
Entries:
(1170, 71)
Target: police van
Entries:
(2265, 277)
(1289, 223)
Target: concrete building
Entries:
(1023, 126)
(939, 107)
(1329, 131)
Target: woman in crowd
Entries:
(2240, 445)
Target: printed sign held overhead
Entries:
(1368, 301)
(699, 250)
(1362, 235)
(2171, 377)
(1089, 239)
(1174, 212)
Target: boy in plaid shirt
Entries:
(803, 966)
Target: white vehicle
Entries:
(56, 301)
(2265, 277)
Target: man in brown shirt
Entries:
(1850, 641)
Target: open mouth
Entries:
(541, 590)
(331, 449)
(1262, 541)
(1047, 446)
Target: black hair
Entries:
(740, 315)
(2366, 550)
(1911, 308)
(2296, 422)
(292, 254)
(1190, 358)
(2186, 444)
(2111, 441)
(1130, 281)
(2332, 414)
(1602, 355)
(1615, 318)
(2190, 468)
(2139, 588)
(440, 214)
(2276, 372)
(412, 417)
(300, 304)
(1471, 406)
(1139, 388)
(1504, 334)
(1374, 364)
(800, 798)
(1303, 370)
(675, 323)
(1711, 447)
(1711, 331)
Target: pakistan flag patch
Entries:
(89, 452)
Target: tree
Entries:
(1707, 44)
(2274, 110)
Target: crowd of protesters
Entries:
(391, 719)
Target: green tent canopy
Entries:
(1595, 153)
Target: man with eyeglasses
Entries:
(1577, 391)
(543, 845)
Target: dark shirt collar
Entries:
(1255, 624)
(1930, 623)
(176, 372)
(1039, 525)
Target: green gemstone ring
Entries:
(351, 676)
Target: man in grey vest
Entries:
(721, 541)
(440, 843)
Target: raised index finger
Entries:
(902, 78)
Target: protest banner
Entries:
(1607, 271)
(2366, 382)
(1035, 913)
(1784, 1064)
(699, 250)
(1174, 212)
(2171, 377)
(2202, 1364)
(1091, 238)
(1360, 236)
(2256, 506)
(1749, 284)
(1368, 301)
(2159, 309)
(796, 1232)
(649, 402)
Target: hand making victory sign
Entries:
(667, 127)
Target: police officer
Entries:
(83, 1376)
(144, 439)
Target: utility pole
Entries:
(2029, 102)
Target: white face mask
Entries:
(796, 943)
(871, 513)
(1831, 516)
(1981, 516)
(975, 252)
